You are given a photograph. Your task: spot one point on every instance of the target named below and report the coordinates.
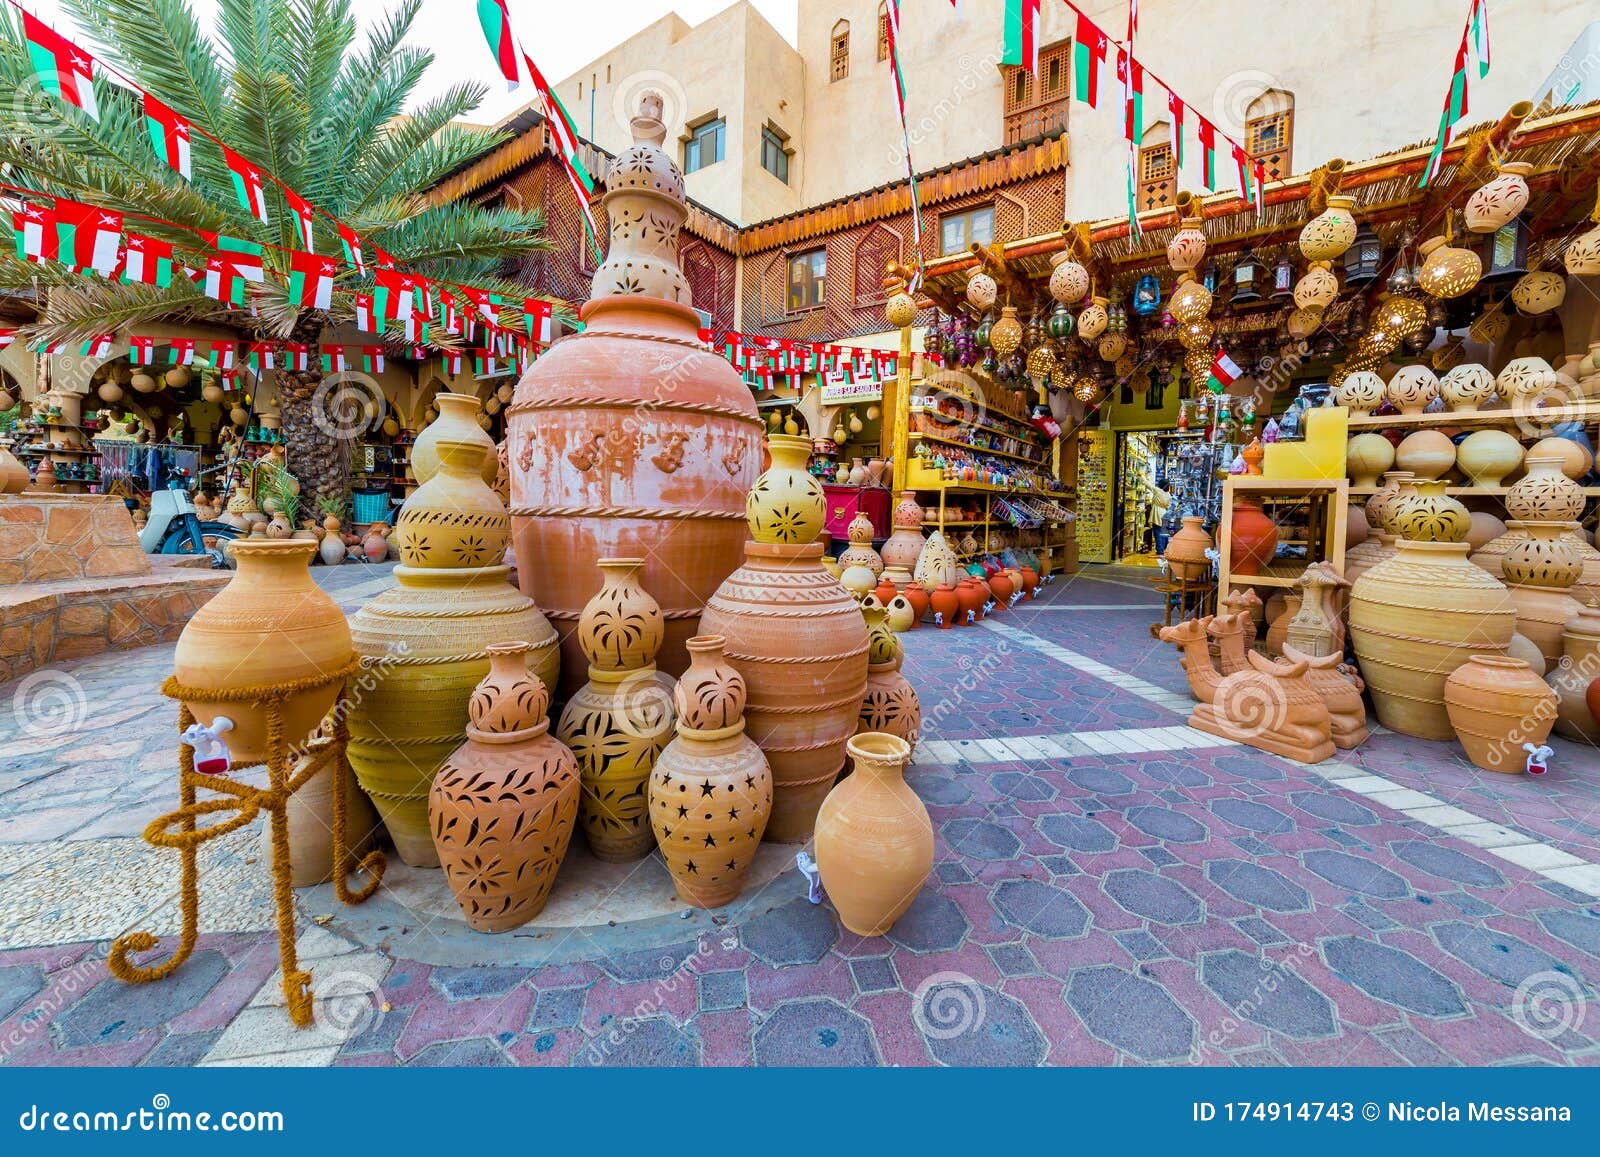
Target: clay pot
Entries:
(969, 601)
(1492, 557)
(309, 818)
(632, 439)
(1003, 589)
(1497, 704)
(1576, 460)
(1388, 491)
(1327, 235)
(860, 552)
(1466, 387)
(946, 606)
(1497, 202)
(1485, 529)
(786, 504)
(503, 805)
(1586, 589)
(1545, 493)
(618, 722)
(936, 564)
(376, 545)
(1362, 391)
(800, 642)
(271, 625)
(1030, 582)
(904, 544)
(1366, 456)
(890, 703)
(1487, 457)
(331, 549)
(1570, 679)
(1426, 454)
(1253, 537)
(457, 421)
(454, 518)
(902, 617)
(1188, 245)
(885, 591)
(1186, 550)
(874, 839)
(710, 793)
(1278, 628)
(1527, 382)
(1426, 513)
(919, 600)
(1543, 555)
(1415, 618)
(1412, 388)
(1542, 616)
(1356, 529)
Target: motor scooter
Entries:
(175, 528)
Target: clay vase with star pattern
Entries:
(503, 805)
(710, 792)
(890, 703)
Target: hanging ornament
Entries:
(178, 376)
(1061, 323)
(1041, 361)
(108, 391)
(1086, 388)
(1495, 204)
(1198, 363)
(1069, 281)
(981, 289)
(872, 413)
(901, 308)
(1006, 335)
(1539, 292)
(1190, 301)
(840, 434)
(1302, 322)
(1447, 270)
(1318, 288)
(1126, 366)
(1491, 325)
(1112, 346)
(774, 419)
(980, 335)
(1327, 235)
(1187, 249)
(1093, 320)
(1196, 334)
(1403, 316)
(211, 392)
(142, 383)
(855, 423)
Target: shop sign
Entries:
(839, 390)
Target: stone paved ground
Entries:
(1110, 888)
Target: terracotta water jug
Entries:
(1186, 550)
(904, 544)
(453, 519)
(946, 606)
(969, 601)
(503, 805)
(618, 722)
(376, 545)
(874, 839)
(1417, 616)
(1496, 704)
(890, 703)
(1571, 677)
(632, 439)
(1253, 537)
(919, 600)
(457, 420)
(271, 625)
(710, 792)
(1001, 587)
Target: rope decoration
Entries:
(179, 829)
(675, 513)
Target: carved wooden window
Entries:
(883, 32)
(807, 271)
(1158, 177)
(879, 247)
(1036, 106)
(1269, 132)
(839, 52)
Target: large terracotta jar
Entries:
(457, 421)
(632, 439)
(710, 792)
(1415, 618)
(1571, 678)
(1253, 537)
(800, 642)
(1587, 589)
(970, 598)
(1496, 704)
(787, 504)
(502, 807)
(270, 626)
(1427, 514)
(618, 722)
(1545, 493)
(874, 839)
(423, 646)
(1186, 551)
(890, 703)
(1359, 559)
(904, 544)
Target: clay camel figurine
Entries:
(1340, 688)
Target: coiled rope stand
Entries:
(180, 829)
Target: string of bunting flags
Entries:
(785, 361)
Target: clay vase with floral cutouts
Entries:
(860, 552)
(1412, 388)
(619, 721)
(874, 846)
(904, 544)
(632, 439)
(1496, 704)
(1426, 513)
(890, 703)
(503, 805)
(710, 794)
(1539, 570)
(1545, 493)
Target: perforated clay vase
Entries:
(874, 845)
(904, 545)
(457, 421)
(890, 703)
(711, 790)
(503, 805)
(619, 721)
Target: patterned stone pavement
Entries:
(1110, 888)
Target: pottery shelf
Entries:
(1584, 411)
(1327, 501)
(917, 435)
(1471, 491)
(80, 450)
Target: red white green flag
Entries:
(488, 304)
(484, 362)
(296, 356)
(261, 355)
(372, 359)
(72, 233)
(351, 244)
(311, 280)
(246, 184)
(365, 320)
(30, 224)
(1206, 133)
(1478, 37)
(1175, 114)
(169, 136)
(1020, 45)
(182, 350)
(1224, 372)
(65, 70)
(1090, 47)
(303, 215)
(222, 281)
(142, 350)
(96, 347)
(334, 360)
(147, 261)
(452, 362)
(536, 319)
(892, 32)
(395, 294)
(223, 354)
(495, 21)
(247, 257)
(564, 140)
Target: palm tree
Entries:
(286, 84)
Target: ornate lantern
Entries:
(901, 308)
(1539, 292)
(1303, 322)
(1061, 323)
(1093, 320)
(1448, 270)
(1086, 388)
(1187, 248)
(1498, 202)
(980, 335)
(1329, 234)
(1147, 295)
(1283, 277)
(1361, 257)
(1196, 334)
(981, 289)
(1006, 334)
(1041, 361)
(1069, 281)
(1190, 301)
(1319, 288)
(1113, 345)
(1249, 280)
(1491, 325)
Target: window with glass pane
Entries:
(806, 273)
(774, 157)
(704, 146)
(959, 230)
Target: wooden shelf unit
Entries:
(1329, 500)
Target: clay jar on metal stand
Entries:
(503, 805)
(711, 789)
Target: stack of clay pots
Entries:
(632, 439)
(425, 642)
(798, 639)
(503, 805)
(618, 722)
(904, 545)
(890, 703)
(710, 793)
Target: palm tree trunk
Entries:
(318, 436)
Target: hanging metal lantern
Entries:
(1147, 295)
(1362, 257)
(981, 334)
(1061, 323)
(1093, 320)
(1283, 277)
(981, 289)
(1006, 334)
(1249, 281)
(1190, 301)
(1086, 388)
(1069, 281)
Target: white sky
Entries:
(560, 35)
